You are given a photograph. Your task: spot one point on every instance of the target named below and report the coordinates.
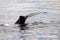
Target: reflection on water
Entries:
(42, 31)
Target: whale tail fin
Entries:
(22, 19)
(33, 14)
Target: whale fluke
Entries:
(22, 19)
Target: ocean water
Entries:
(44, 26)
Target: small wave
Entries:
(5, 24)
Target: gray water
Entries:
(49, 29)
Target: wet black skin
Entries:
(21, 22)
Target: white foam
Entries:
(6, 24)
